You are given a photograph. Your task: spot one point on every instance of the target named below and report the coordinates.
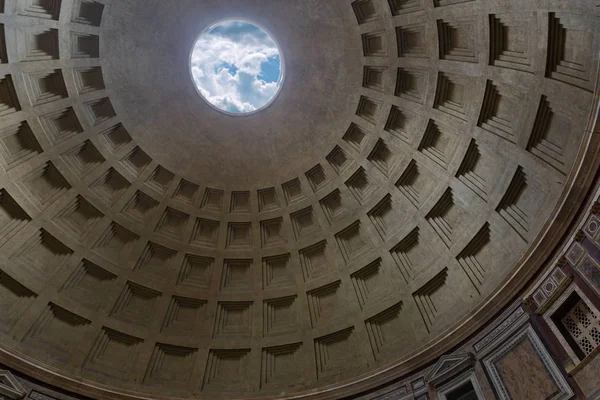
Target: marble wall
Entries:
(523, 354)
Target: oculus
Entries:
(236, 67)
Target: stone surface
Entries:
(524, 374)
(406, 183)
(153, 91)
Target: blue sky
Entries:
(236, 66)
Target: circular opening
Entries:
(236, 67)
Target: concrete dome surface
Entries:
(419, 165)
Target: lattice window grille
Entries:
(583, 326)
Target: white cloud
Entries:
(226, 64)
